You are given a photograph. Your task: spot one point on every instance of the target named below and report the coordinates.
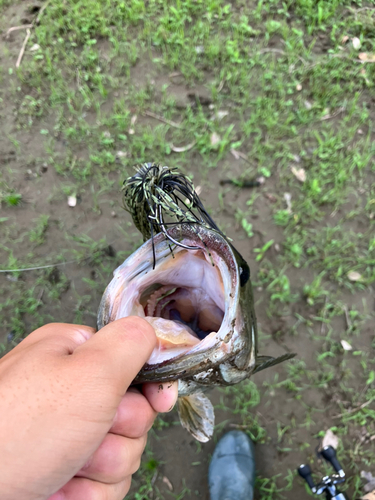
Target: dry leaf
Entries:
(168, 483)
(72, 201)
(344, 39)
(364, 74)
(369, 487)
(182, 149)
(346, 346)
(299, 173)
(121, 154)
(221, 114)
(369, 496)
(325, 112)
(215, 139)
(365, 57)
(288, 199)
(199, 49)
(356, 43)
(354, 276)
(235, 154)
(11, 278)
(238, 154)
(35, 47)
(330, 439)
(132, 122)
(307, 104)
(367, 475)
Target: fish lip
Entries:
(203, 356)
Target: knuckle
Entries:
(139, 446)
(135, 466)
(124, 488)
(144, 426)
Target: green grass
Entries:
(296, 96)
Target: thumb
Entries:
(118, 351)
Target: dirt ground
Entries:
(82, 245)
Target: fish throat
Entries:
(184, 302)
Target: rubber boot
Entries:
(231, 475)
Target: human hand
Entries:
(69, 425)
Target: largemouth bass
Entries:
(191, 284)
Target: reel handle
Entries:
(305, 472)
(329, 454)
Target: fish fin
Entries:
(267, 361)
(197, 415)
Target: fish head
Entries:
(197, 295)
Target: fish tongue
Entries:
(173, 339)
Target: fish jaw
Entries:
(215, 268)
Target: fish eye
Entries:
(244, 273)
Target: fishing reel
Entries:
(327, 484)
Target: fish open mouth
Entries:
(184, 298)
(185, 303)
